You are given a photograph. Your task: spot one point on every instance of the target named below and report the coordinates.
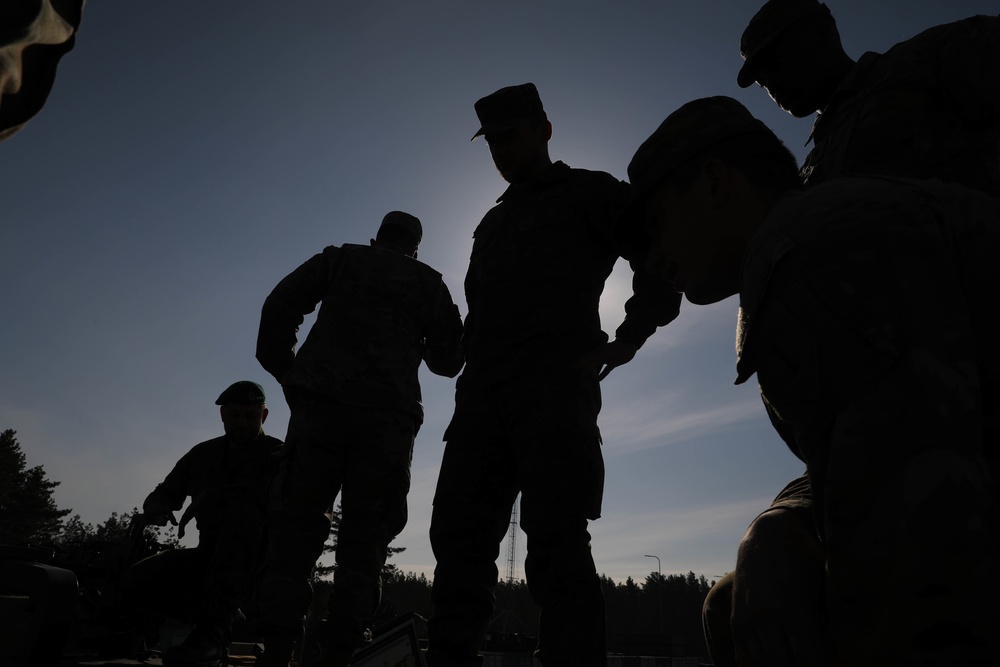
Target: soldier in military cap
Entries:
(929, 107)
(226, 479)
(527, 402)
(877, 367)
(355, 411)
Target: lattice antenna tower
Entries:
(512, 546)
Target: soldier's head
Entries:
(399, 231)
(243, 412)
(517, 130)
(703, 183)
(792, 48)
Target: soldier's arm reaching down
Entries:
(443, 351)
(653, 304)
(168, 496)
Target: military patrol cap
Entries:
(406, 221)
(506, 107)
(694, 127)
(773, 19)
(243, 392)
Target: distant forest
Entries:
(659, 616)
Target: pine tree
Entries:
(28, 514)
(114, 529)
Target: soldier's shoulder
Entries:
(600, 187)
(596, 177)
(949, 40)
(272, 443)
(956, 29)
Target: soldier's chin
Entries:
(704, 297)
(242, 438)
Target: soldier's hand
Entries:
(602, 360)
(159, 518)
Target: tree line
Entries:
(29, 514)
(659, 616)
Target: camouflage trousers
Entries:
(538, 436)
(362, 455)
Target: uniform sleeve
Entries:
(443, 340)
(169, 495)
(285, 309)
(654, 303)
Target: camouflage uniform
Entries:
(227, 487)
(927, 108)
(526, 422)
(868, 313)
(355, 410)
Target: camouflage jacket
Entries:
(218, 478)
(539, 262)
(872, 298)
(381, 313)
(927, 108)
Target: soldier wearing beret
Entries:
(866, 312)
(355, 410)
(527, 402)
(226, 479)
(929, 107)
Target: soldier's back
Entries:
(927, 108)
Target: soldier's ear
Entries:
(263, 414)
(548, 130)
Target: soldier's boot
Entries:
(206, 646)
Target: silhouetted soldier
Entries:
(526, 405)
(226, 479)
(355, 411)
(927, 108)
(34, 36)
(879, 368)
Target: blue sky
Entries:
(192, 153)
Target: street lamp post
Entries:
(659, 593)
